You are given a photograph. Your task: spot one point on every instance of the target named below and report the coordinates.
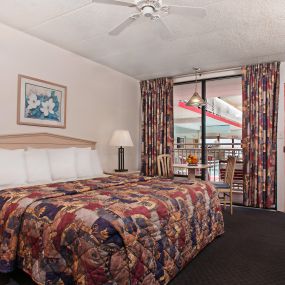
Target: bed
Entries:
(105, 230)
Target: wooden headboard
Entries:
(42, 140)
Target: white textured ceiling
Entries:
(235, 32)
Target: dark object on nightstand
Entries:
(121, 138)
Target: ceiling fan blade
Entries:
(117, 30)
(187, 11)
(164, 31)
(115, 2)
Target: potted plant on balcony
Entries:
(192, 160)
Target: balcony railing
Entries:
(216, 157)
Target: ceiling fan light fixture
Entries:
(155, 4)
(148, 11)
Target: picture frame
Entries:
(41, 103)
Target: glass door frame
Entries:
(203, 115)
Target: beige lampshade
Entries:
(121, 138)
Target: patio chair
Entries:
(225, 188)
(164, 165)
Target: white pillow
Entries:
(83, 162)
(12, 167)
(96, 164)
(38, 168)
(62, 163)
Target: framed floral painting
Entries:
(41, 103)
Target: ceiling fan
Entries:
(153, 10)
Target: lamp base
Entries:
(121, 170)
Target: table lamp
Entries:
(121, 138)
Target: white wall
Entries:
(99, 100)
(280, 142)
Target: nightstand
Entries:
(113, 172)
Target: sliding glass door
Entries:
(224, 130)
(213, 132)
(187, 126)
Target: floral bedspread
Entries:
(116, 230)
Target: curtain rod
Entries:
(208, 72)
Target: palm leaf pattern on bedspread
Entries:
(116, 230)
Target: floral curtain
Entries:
(260, 116)
(157, 122)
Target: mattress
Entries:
(109, 230)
